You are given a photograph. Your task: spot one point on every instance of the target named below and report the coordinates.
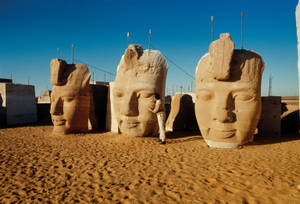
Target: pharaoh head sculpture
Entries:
(70, 97)
(141, 74)
(228, 95)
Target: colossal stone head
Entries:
(70, 97)
(228, 95)
(141, 74)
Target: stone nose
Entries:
(56, 107)
(224, 109)
(222, 115)
(129, 106)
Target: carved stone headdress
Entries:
(224, 63)
(137, 62)
(74, 76)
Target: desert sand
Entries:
(37, 167)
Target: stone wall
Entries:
(270, 120)
(18, 101)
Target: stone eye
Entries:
(243, 97)
(144, 94)
(119, 94)
(204, 95)
(68, 98)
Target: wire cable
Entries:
(95, 67)
(176, 65)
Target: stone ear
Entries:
(220, 52)
(57, 70)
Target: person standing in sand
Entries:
(160, 113)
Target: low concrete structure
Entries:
(5, 80)
(18, 104)
(45, 97)
(270, 120)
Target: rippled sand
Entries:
(111, 168)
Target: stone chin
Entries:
(130, 128)
(135, 132)
(226, 139)
(218, 144)
(60, 129)
(137, 128)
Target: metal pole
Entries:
(94, 77)
(212, 28)
(270, 86)
(128, 37)
(104, 77)
(58, 53)
(150, 32)
(242, 14)
(72, 53)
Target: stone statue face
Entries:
(70, 97)
(228, 101)
(140, 75)
(227, 112)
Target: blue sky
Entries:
(32, 30)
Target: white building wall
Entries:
(20, 104)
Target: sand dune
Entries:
(111, 168)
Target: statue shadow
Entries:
(181, 116)
(186, 118)
(43, 114)
(290, 122)
(182, 134)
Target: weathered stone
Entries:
(228, 111)
(141, 74)
(70, 97)
(220, 52)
